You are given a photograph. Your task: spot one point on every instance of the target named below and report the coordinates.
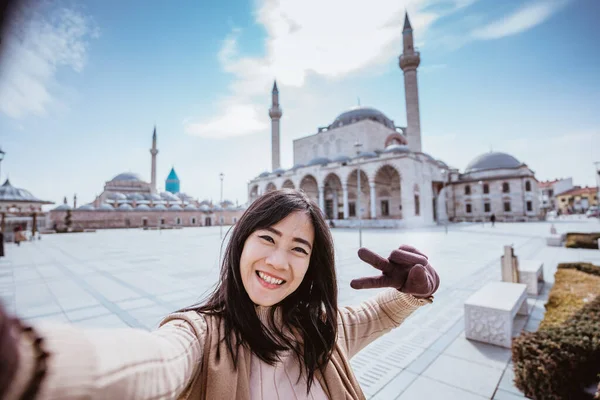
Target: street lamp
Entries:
(480, 183)
(444, 180)
(358, 145)
(221, 176)
(1, 158)
(597, 164)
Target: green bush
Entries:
(560, 362)
(582, 240)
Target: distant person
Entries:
(493, 219)
(271, 329)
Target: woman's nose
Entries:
(277, 259)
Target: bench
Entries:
(531, 273)
(554, 240)
(490, 312)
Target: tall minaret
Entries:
(275, 114)
(409, 61)
(154, 152)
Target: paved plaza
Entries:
(133, 278)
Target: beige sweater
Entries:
(135, 364)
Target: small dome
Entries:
(125, 207)
(87, 207)
(356, 114)
(190, 207)
(63, 207)
(116, 196)
(279, 171)
(429, 157)
(341, 159)
(169, 196)
(127, 176)
(204, 208)
(175, 207)
(264, 174)
(142, 207)
(493, 160)
(159, 207)
(397, 148)
(442, 164)
(135, 196)
(217, 208)
(319, 161)
(367, 154)
(296, 166)
(106, 207)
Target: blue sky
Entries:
(84, 84)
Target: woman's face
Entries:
(275, 259)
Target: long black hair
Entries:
(311, 310)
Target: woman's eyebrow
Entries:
(296, 239)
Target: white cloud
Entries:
(328, 38)
(521, 20)
(38, 46)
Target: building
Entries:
(364, 165)
(127, 201)
(20, 210)
(548, 191)
(577, 200)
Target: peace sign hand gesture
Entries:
(406, 269)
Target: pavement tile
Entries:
(503, 395)
(426, 388)
(481, 353)
(396, 386)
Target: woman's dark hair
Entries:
(311, 310)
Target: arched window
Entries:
(467, 190)
(528, 186)
(505, 187)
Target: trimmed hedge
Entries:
(582, 240)
(560, 362)
(575, 286)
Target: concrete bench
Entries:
(490, 312)
(554, 240)
(531, 273)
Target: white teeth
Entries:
(269, 279)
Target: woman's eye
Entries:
(267, 238)
(300, 250)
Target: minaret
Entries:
(275, 114)
(409, 61)
(154, 152)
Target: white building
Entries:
(399, 184)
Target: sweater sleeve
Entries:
(115, 363)
(358, 326)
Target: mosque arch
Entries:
(308, 184)
(395, 138)
(388, 193)
(333, 195)
(254, 193)
(288, 184)
(365, 198)
(270, 187)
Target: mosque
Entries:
(363, 167)
(127, 201)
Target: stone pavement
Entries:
(132, 278)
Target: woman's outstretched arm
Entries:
(110, 363)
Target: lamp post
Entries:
(1, 158)
(597, 164)
(480, 183)
(358, 145)
(221, 176)
(444, 180)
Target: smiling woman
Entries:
(270, 330)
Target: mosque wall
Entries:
(100, 219)
(340, 141)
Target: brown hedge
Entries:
(582, 240)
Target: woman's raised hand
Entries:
(406, 269)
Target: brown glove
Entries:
(406, 269)
(9, 353)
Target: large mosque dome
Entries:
(127, 176)
(493, 160)
(361, 113)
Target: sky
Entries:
(82, 85)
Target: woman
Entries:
(271, 329)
